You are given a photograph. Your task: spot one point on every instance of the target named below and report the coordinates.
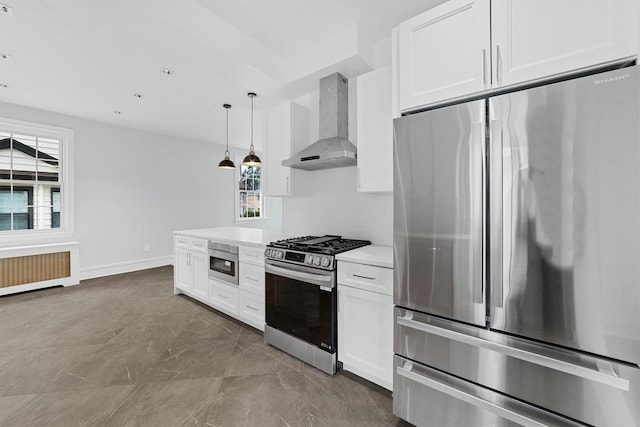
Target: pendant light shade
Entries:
(252, 159)
(226, 163)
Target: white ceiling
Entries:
(87, 58)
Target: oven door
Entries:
(302, 302)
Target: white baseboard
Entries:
(124, 267)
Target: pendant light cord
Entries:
(227, 151)
(252, 124)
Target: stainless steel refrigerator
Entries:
(517, 257)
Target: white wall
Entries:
(134, 187)
(328, 203)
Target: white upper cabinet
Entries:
(444, 53)
(535, 39)
(465, 47)
(375, 131)
(285, 123)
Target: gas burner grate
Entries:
(327, 244)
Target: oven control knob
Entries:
(309, 259)
(280, 254)
(325, 261)
(267, 253)
(316, 260)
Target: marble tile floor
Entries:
(124, 350)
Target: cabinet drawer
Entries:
(367, 277)
(251, 254)
(192, 243)
(251, 309)
(252, 278)
(199, 245)
(183, 242)
(223, 296)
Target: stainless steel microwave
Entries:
(223, 262)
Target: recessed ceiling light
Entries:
(167, 71)
(3, 85)
(138, 95)
(117, 112)
(5, 56)
(6, 9)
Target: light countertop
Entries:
(379, 256)
(240, 235)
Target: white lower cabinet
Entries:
(251, 309)
(244, 301)
(223, 297)
(192, 267)
(251, 286)
(365, 322)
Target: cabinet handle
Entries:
(484, 66)
(223, 296)
(288, 185)
(498, 64)
(189, 258)
(252, 279)
(364, 277)
(254, 309)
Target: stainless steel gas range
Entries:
(301, 297)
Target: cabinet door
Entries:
(444, 53)
(184, 270)
(535, 39)
(200, 268)
(286, 123)
(375, 131)
(365, 336)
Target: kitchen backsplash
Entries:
(327, 202)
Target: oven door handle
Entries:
(315, 279)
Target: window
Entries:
(35, 190)
(249, 200)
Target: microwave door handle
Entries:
(316, 279)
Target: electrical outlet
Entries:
(146, 247)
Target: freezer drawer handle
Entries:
(527, 356)
(405, 371)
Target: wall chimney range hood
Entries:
(333, 149)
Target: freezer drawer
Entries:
(589, 389)
(427, 397)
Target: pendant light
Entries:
(227, 163)
(252, 159)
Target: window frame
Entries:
(263, 200)
(30, 213)
(67, 223)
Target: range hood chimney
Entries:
(333, 149)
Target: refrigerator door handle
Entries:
(517, 353)
(495, 208)
(478, 149)
(472, 399)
